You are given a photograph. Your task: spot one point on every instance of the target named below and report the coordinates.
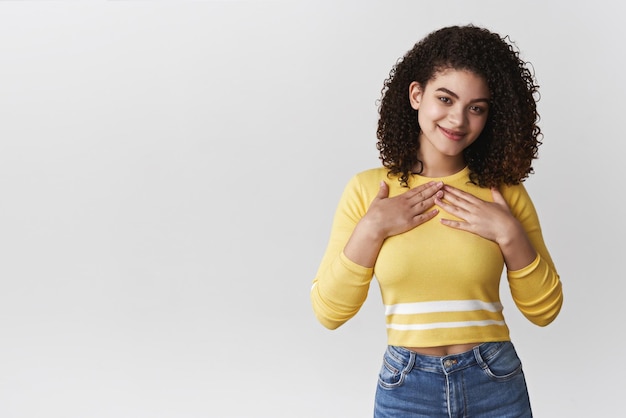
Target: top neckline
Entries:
(463, 172)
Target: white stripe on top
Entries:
(442, 306)
(412, 327)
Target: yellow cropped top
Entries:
(439, 285)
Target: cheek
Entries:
(428, 114)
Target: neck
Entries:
(441, 167)
(437, 162)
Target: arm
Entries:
(491, 220)
(536, 288)
(511, 221)
(358, 232)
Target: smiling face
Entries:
(453, 109)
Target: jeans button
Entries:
(449, 362)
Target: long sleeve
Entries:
(341, 286)
(439, 285)
(536, 289)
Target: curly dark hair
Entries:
(504, 151)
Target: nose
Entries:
(457, 116)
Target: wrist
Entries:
(510, 234)
(516, 248)
(370, 229)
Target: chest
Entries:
(433, 254)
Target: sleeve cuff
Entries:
(354, 267)
(525, 271)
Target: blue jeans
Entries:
(487, 381)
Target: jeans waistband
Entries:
(449, 363)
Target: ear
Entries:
(415, 94)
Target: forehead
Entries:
(461, 82)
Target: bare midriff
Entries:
(444, 350)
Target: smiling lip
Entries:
(453, 135)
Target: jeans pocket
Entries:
(393, 370)
(503, 365)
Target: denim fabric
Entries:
(485, 382)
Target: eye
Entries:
(477, 110)
(445, 100)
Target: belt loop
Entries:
(411, 361)
(479, 358)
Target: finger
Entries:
(464, 226)
(463, 200)
(383, 191)
(423, 217)
(427, 188)
(450, 189)
(422, 205)
(452, 200)
(454, 196)
(423, 192)
(497, 196)
(462, 195)
(457, 211)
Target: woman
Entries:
(436, 225)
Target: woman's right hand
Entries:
(388, 216)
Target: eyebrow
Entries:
(456, 96)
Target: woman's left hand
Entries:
(490, 220)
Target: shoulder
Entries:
(370, 178)
(515, 194)
(373, 173)
(363, 186)
(518, 199)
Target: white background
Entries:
(168, 175)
